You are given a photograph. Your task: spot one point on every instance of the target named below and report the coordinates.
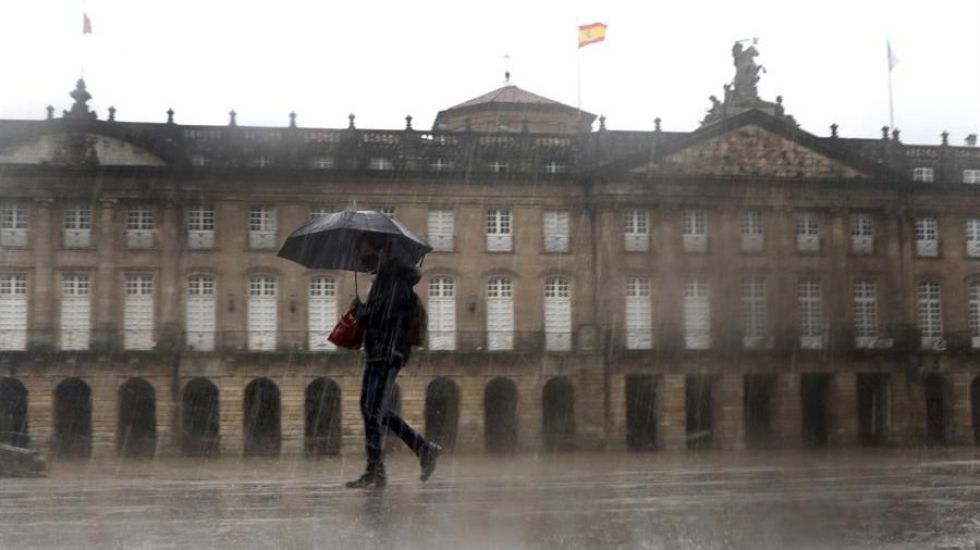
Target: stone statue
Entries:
(746, 71)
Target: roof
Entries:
(508, 94)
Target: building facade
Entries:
(744, 284)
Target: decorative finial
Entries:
(895, 134)
(112, 114)
(602, 122)
(656, 124)
(50, 111)
(232, 118)
(292, 119)
(506, 77)
(81, 97)
(884, 132)
(833, 130)
(945, 136)
(170, 116)
(350, 121)
(408, 122)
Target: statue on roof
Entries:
(81, 96)
(746, 70)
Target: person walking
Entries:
(387, 318)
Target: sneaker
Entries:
(427, 459)
(376, 480)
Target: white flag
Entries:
(892, 59)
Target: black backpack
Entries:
(417, 322)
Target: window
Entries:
(323, 313)
(140, 224)
(695, 231)
(926, 237)
(750, 226)
(261, 161)
(262, 227)
(200, 227)
(697, 315)
(557, 315)
(556, 231)
(930, 314)
(200, 160)
(639, 318)
(380, 164)
(554, 167)
(636, 230)
(498, 166)
(387, 211)
(499, 230)
(13, 225)
(923, 174)
(441, 165)
(972, 230)
(77, 226)
(500, 314)
(865, 313)
(442, 314)
(973, 295)
(862, 233)
(755, 324)
(262, 314)
(322, 163)
(13, 311)
(807, 232)
(971, 176)
(441, 229)
(810, 295)
(200, 312)
(76, 321)
(138, 312)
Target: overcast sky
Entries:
(383, 60)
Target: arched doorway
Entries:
(872, 390)
(757, 406)
(500, 415)
(442, 412)
(814, 389)
(262, 410)
(975, 401)
(13, 412)
(200, 418)
(72, 418)
(936, 409)
(699, 411)
(558, 414)
(641, 416)
(322, 433)
(136, 433)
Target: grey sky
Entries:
(383, 60)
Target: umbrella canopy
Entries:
(331, 241)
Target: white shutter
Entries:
(927, 237)
(556, 229)
(76, 316)
(499, 234)
(695, 231)
(810, 297)
(77, 227)
(750, 227)
(262, 227)
(442, 226)
(140, 227)
(639, 320)
(138, 322)
(972, 230)
(323, 313)
(200, 227)
(697, 315)
(13, 312)
(862, 233)
(500, 315)
(13, 225)
(807, 232)
(636, 231)
(442, 314)
(200, 313)
(557, 315)
(262, 314)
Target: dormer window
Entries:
(498, 166)
(380, 164)
(554, 167)
(200, 160)
(261, 161)
(923, 174)
(322, 163)
(440, 165)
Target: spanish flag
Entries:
(591, 33)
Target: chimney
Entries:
(971, 140)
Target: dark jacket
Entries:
(386, 314)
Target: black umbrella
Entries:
(331, 241)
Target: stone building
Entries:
(746, 283)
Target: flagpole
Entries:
(579, 85)
(891, 102)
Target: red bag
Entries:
(347, 333)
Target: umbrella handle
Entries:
(356, 293)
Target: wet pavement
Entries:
(814, 499)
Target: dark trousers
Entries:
(376, 389)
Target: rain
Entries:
(576, 299)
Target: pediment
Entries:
(753, 150)
(78, 149)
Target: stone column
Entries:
(232, 392)
(107, 291)
(616, 435)
(292, 395)
(788, 410)
(671, 412)
(168, 421)
(961, 421)
(842, 409)
(40, 409)
(42, 285)
(169, 265)
(105, 412)
(729, 414)
(470, 434)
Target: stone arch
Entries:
(136, 431)
(262, 424)
(72, 418)
(322, 432)
(442, 412)
(699, 405)
(13, 413)
(975, 402)
(814, 401)
(758, 396)
(558, 414)
(200, 420)
(500, 415)
(641, 416)
(937, 409)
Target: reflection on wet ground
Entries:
(832, 499)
